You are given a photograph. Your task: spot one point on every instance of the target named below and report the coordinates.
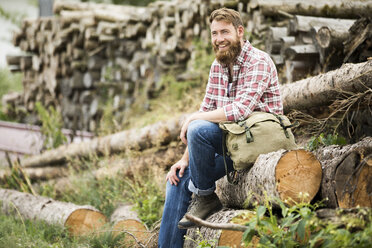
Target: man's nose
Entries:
(219, 38)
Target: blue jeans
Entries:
(206, 166)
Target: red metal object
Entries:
(19, 139)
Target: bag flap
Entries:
(232, 127)
(255, 117)
(259, 117)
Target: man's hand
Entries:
(184, 128)
(172, 174)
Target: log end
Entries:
(230, 238)
(352, 181)
(84, 221)
(298, 176)
(135, 228)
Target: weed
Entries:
(325, 140)
(51, 126)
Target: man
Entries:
(242, 79)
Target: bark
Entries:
(321, 90)
(125, 219)
(79, 220)
(359, 41)
(157, 134)
(291, 176)
(330, 8)
(346, 174)
(301, 52)
(37, 174)
(227, 238)
(305, 23)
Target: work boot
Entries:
(201, 207)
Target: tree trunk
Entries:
(347, 173)
(321, 90)
(160, 133)
(292, 176)
(330, 8)
(126, 220)
(226, 238)
(79, 220)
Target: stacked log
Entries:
(89, 53)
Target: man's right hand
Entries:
(172, 174)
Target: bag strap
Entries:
(284, 126)
(229, 179)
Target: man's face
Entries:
(226, 41)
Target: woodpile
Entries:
(314, 37)
(88, 53)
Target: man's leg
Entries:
(204, 141)
(177, 200)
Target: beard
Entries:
(228, 56)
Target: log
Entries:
(321, 90)
(225, 238)
(359, 40)
(302, 52)
(126, 220)
(329, 8)
(347, 172)
(157, 134)
(79, 220)
(273, 43)
(291, 176)
(305, 23)
(37, 174)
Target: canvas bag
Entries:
(260, 133)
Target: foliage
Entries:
(299, 227)
(14, 17)
(105, 194)
(8, 82)
(147, 199)
(201, 242)
(51, 126)
(325, 140)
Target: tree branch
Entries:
(200, 222)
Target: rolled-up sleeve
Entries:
(256, 81)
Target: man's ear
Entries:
(240, 31)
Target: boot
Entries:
(201, 207)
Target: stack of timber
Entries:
(309, 38)
(88, 53)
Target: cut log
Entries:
(347, 173)
(321, 90)
(160, 133)
(126, 220)
(302, 52)
(291, 176)
(273, 43)
(36, 174)
(305, 23)
(225, 238)
(330, 8)
(359, 40)
(79, 220)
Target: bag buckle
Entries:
(248, 134)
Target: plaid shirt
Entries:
(254, 86)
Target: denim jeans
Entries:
(206, 166)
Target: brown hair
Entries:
(227, 15)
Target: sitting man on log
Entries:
(242, 79)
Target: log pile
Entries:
(89, 53)
(314, 37)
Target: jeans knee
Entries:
(198, 127)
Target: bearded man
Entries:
(242, 79)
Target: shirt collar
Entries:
(244, 53)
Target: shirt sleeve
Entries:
(256, 81)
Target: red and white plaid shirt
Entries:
(254, 86)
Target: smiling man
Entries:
(242, 79)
